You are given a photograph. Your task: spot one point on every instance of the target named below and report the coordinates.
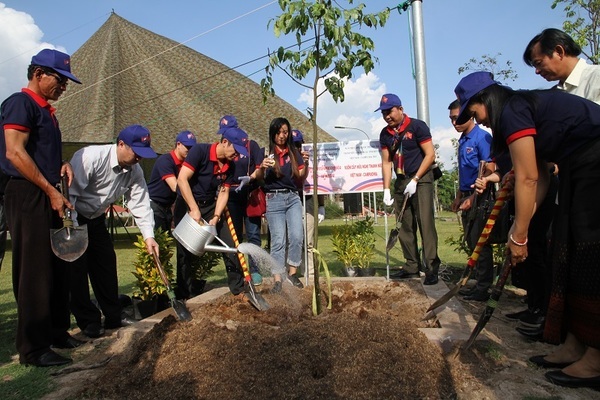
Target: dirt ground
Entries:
(368, 346)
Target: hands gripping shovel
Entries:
(500, 200)
(69, 242)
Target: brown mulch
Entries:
(367, 347)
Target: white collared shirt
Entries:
(583, 81)
(99, 181)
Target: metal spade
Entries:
(394, 232)
(68, 242)
(183, 314)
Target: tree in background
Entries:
(328, 49)
(583, 19)
(491, 64)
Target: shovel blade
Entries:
(183, 314)
(255, 298)
(392, 239)
(69, 243)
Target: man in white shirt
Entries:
(102, 174)
(554, 55)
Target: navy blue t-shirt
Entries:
(559, 122)
(413, 133)
(166, 166)
(286, 180)
(26, 111)
(207, 177)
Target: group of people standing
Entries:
(194, 178)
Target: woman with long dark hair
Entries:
(537, 127)
(281, 170)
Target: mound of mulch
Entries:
(366, 347)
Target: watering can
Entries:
(197, 237)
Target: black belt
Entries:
(279, 191)
(467, 193)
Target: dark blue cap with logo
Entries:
(60, 62)
(138, 138)
(186, 138)
(389, 100)
(468, 87)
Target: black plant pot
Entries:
(350, 271)
(162, 302)
(144, 308)
(365, 271)
(197, 287)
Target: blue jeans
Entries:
(284, 213)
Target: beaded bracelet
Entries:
(517, 243)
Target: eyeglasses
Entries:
(62, 80)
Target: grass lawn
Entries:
(16, 380)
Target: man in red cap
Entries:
(31, 155)
(103, 174)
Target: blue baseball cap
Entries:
(138, 138)
(389, 100)
(186, 138)
(238, 138)
(468, 87)
(297, 136)
(226, 122)
(60, 62)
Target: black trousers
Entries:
(235, 279)
(236, 205)
(40, 279)
(99, 262)
(163, 216)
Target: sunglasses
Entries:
(62, 80)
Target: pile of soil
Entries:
(367, 346)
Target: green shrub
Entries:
(148, 282)
(354, 244)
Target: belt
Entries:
(279, 191)
(467, 193)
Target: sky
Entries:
(235, 32)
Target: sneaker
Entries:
(256, 278)
(293, 279)
(533, 319)
(276, 289)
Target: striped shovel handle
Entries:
(501, 198)
(236, 243)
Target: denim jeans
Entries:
(284, 213)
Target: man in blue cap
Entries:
(31, 155)
(407, 149)
(244, 181)
(103, 175)
(203, 182)
(162, 186)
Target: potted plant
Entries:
(344, 247)
(354, 246)
(364, 241)
(149, 285)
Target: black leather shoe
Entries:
(124, 321)
(533, 319)
(518, 315)
(477, 295)
(93, 330)
(562, 379)
(541, 362)
(402, 274)
(466, 291)
(430, 279)
(68, 343)
(535, 334)
(48, 359)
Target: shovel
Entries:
(183, 314)
(253, 296)
(394, 232)
(68, 242)
(500, 200)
